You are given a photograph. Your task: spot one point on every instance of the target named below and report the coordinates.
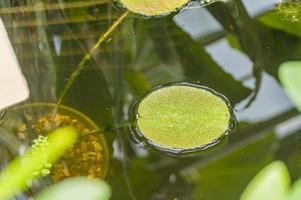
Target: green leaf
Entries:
(272, 182)
(290, 77)
(77, 189)
(295, 193)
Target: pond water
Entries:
(233, 47)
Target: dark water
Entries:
(234, 48)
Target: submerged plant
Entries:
(182, 117)
(143, 7)
(88, 157)
(81, 66)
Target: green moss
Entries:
(183, 117)
(153, 7)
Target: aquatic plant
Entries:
(182, 117)
(81, 66)
(16, 175)
(39, 145)
(291, 10)
(152, 7)
(89, 155)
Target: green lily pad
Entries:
(182, 117)
(290, 77)
(153, 7)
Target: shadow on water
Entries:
(51, 38)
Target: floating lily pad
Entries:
(153, 7)
(87, 157)
(182, 117)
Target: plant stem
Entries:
(88, 56)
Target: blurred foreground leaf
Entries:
(77, 189)
(290, 77)
(17, 174)
(272, 182)
(295, 193)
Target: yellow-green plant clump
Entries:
(290, 10)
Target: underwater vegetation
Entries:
(17, 174)
(88, 157)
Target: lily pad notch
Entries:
(181, 118)
(152, 7)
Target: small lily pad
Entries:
(182, 117)
(153, 7)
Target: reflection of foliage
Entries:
(143, 180)
(196, 63)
